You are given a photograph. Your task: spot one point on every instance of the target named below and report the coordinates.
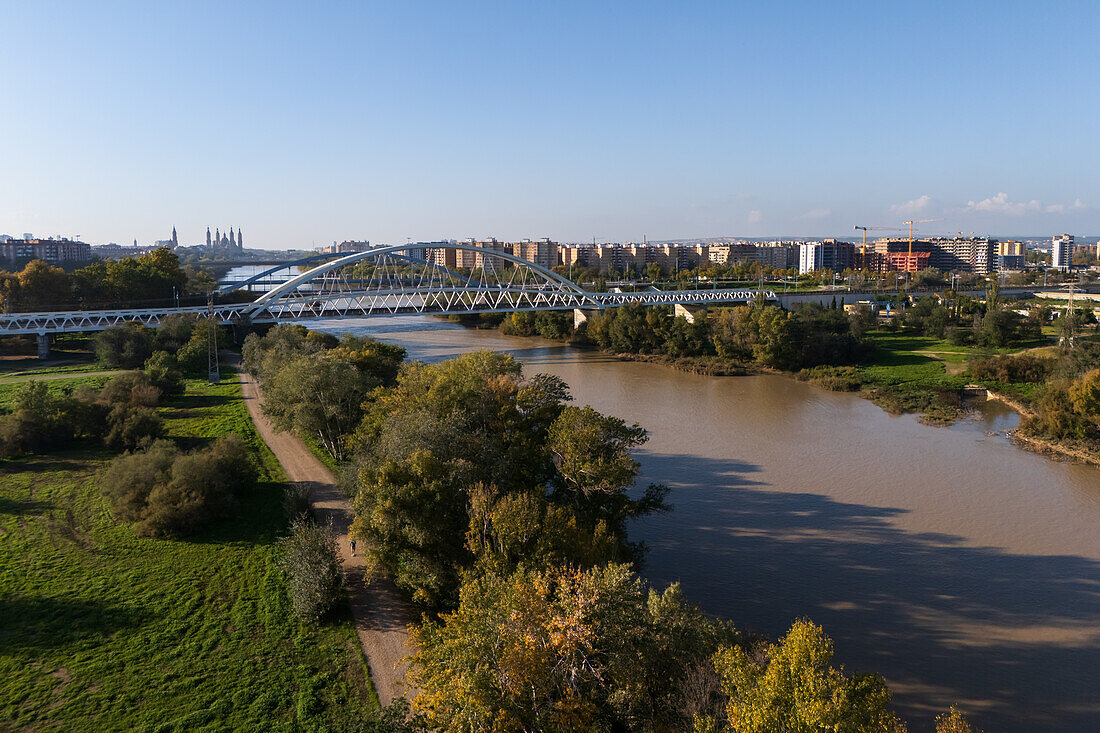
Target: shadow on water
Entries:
(33, 624)
(1014, 638)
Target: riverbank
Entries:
(1056, 450)
(949, 560)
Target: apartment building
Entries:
(825, 255)
(49, 250)
(1061, 252)
(956, 254)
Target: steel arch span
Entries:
(396, 280)
(405, 279)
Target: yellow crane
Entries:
(863, 247)
(909, 260)
(911, 223)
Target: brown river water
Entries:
(959, 566)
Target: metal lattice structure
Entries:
(399, 280)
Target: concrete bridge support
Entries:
(43, 346)
(581, 316)
(687, 311)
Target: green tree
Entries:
(126, 346)
(466, 462)
(595, 469)
(313, 570)
(175, 330)
(280, 344)
(319, 396)
(795, 689)
(43, 287)
(164, 372)
(562, 650)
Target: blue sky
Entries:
(303, 123)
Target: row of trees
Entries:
(121, 415)
(155, 277)
(315, 384)
(760, 334)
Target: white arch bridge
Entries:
(388, 281)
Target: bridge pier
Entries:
(581, 316)
(687, 311)
(43, 346)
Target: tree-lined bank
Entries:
(782, 509)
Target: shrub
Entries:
(835, 379)
(296, 503)
(313, 568)
(128, 480)
(131, 388)
(164, 373)
(170, 494)
(124, 347)
(175, 330)
(41, 420)
(130, 427)
(1021, 368)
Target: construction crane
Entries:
(909, 261)
(863, 247)
(911, 223)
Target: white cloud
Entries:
(1077, 205)
(915, 206)
(755, 216)
(817, 214)
(1000, 204)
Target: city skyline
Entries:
(523, 120)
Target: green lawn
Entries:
(105, 630)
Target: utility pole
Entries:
(213, 373)
(1069, 318)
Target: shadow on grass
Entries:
(888, 357)
(33, 463)
(194, 402)
(32, 624)
(257, 519)
(20, 508)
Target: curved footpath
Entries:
(381, 615)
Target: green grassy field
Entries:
(105, 630)
(910, 373)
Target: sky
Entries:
(305, 123)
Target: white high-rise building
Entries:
(1062, 252)
(809, 257)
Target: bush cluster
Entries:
(1019, 368)
(120, 414)
(176, 349)
(165, 492)
(313, 568)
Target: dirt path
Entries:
(381, 615)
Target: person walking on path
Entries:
(353, 548)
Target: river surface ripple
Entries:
(957, 565)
